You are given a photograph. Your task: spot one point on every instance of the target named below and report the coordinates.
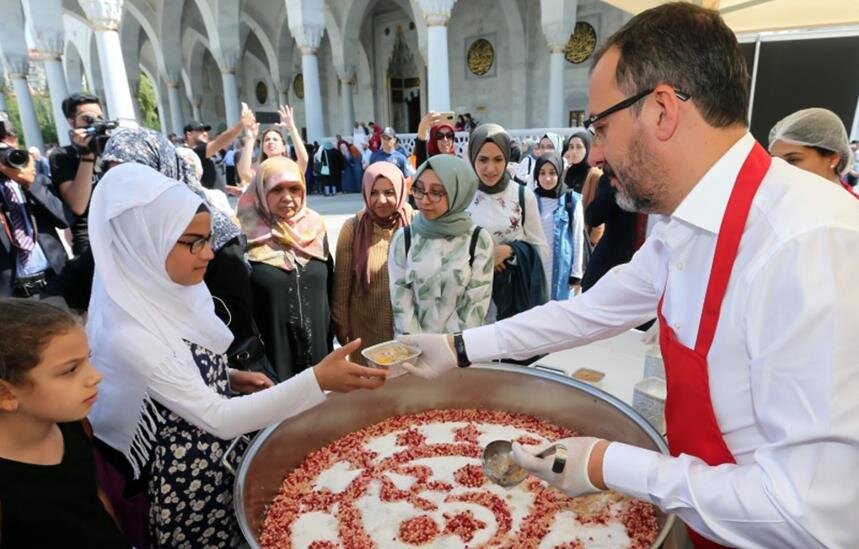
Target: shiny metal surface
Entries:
(564, 401)
(500, 468)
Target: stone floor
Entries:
(336, 210)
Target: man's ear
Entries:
(668, 115)
(8, 399)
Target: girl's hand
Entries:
(336, 373)
(248, 118)
(252, 131)
(248, 382)
(502, 253)
(286, 118)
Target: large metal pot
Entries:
(564, 401)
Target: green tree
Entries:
(148, 104)
(44, 116)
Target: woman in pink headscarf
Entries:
(361, 306)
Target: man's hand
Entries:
(248, 382)
(24, 176)
(577, 476)
(81, 139)
(336, 373)
(437, 354)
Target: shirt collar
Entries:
(705, 204)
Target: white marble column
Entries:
(32, 133)
(57, 87)
(231, 96)
(312, 95)
(105, 16)
(176, 119)
(555, 115)
(347, 104)
(195, 108)
(437, 14)
(557, 19)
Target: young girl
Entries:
(168, 401)
(48, 491)
(441, 265)
(562, 219)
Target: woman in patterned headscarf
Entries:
(292, 269)
(227, 275)
(362, 299)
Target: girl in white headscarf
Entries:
(165, 401)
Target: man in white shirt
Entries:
(752, 272)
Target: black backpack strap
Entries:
(522, 203)
(472, 247)
(407, 240)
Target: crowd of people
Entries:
(179, 322)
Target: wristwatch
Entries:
(459, 347)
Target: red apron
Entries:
(690, 420)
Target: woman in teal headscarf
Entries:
(441, 265)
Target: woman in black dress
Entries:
(292, 267)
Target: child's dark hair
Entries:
(26, 327)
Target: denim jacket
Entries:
(566, 243)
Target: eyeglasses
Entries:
(444, 135)
(625, 104)
(433, 196)
(196, 245)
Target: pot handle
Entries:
(225, 460)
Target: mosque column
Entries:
(195, 108)
(17, 68)
(232, 107)
(57, 87)
(347, 80)
(557, 18)
(104, 17)
(436, 13)
(176, 122)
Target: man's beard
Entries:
(631, 193)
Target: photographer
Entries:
(74, 167)
(31, 252)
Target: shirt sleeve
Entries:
(800, 488)
(343, 269)
(532, 226)
(474, 303)
(622, 299)
(187, 395)
(402, 295)
(578, 227)
(64, 167)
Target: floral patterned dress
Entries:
(190, 493)
(435, 289)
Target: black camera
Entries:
(99, 129)
(14, 158)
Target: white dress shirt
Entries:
(783, 367)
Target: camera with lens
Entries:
(14, 158)
(99, 129)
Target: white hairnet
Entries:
(815, 127)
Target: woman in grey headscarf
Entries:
(228, 275)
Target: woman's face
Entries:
(383, 199)
(546, 145)
(187, 261)
(490, 164)
(430, 195)
(272, 144)
(285, 195)
(576, 151)
(548, 176)
(807, 158)
(444, 140)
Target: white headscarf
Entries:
(139, 317)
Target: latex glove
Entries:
(437, 355)
(573, 480)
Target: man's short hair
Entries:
(690, 48)
(75, 100)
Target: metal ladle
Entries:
(499, 467)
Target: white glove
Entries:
(573, 480)
(437, 356)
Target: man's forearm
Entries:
(76, 192)
(223, 140)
